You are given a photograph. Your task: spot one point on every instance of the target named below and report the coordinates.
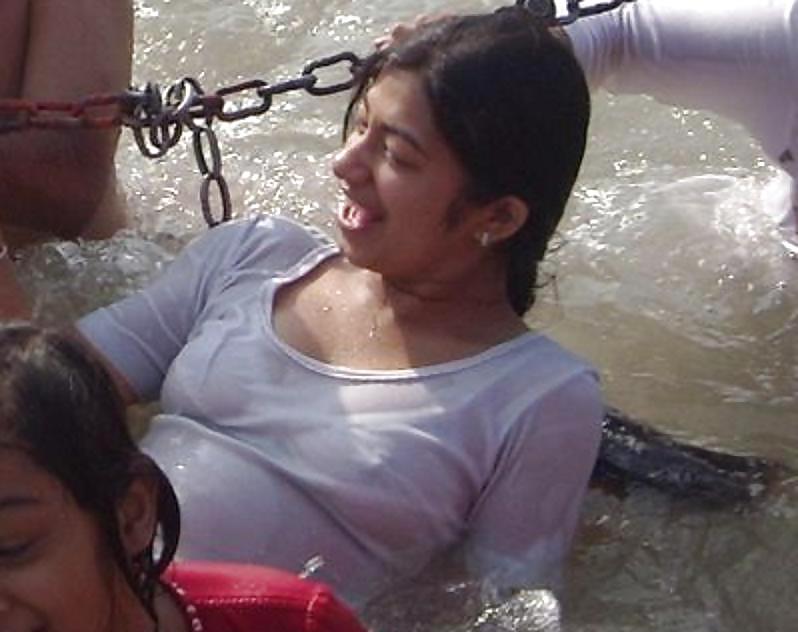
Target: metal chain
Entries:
(90, 113)
(575, 9)
(158, 117)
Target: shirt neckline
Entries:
(314, 258)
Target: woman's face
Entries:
(54, 574)
(401, 179)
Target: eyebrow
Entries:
(408, 137)
(15, 501)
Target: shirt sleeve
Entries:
(141, 335)
(660, 47)
(521, 528)
(736, 58)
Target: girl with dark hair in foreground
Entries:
(79, 511)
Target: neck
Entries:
(465, 309)
(474, 308)
(481, 289)
(126, 613)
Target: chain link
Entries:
(205, 141)
(157, 117)
(575, 9)
(186, 103)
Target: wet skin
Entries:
(55, 576)
(411, 289)
(61, 50)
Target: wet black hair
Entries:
(61, 407)
(511, 101)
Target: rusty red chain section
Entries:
(89, 113)
(158, 117)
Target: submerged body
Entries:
(374, 470)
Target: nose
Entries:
(351, 164)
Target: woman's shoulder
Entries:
(249, 598)
(545, 359)
(261, 242)
(268, 233)
(283, 228)
(544, 374)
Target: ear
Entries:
(136, 515)
(503, 218)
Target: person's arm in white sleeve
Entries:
(736, 58)
(694, 53)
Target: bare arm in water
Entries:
(55, 182)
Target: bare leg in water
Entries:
(53, 182)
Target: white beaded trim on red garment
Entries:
(191, 611)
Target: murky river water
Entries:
(671, 278)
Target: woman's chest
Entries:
(235, 377)
(337, 320)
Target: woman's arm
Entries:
(54, 181)
(736, 58)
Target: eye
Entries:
(395, 156)
(360, 123)
(14, 552)
(394, 159)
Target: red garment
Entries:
(245, 598)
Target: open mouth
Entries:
(355, 217)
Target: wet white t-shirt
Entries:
(278, 458)
(738, 58)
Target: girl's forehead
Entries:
(393, 84)
(19, 473)
(399, 96)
